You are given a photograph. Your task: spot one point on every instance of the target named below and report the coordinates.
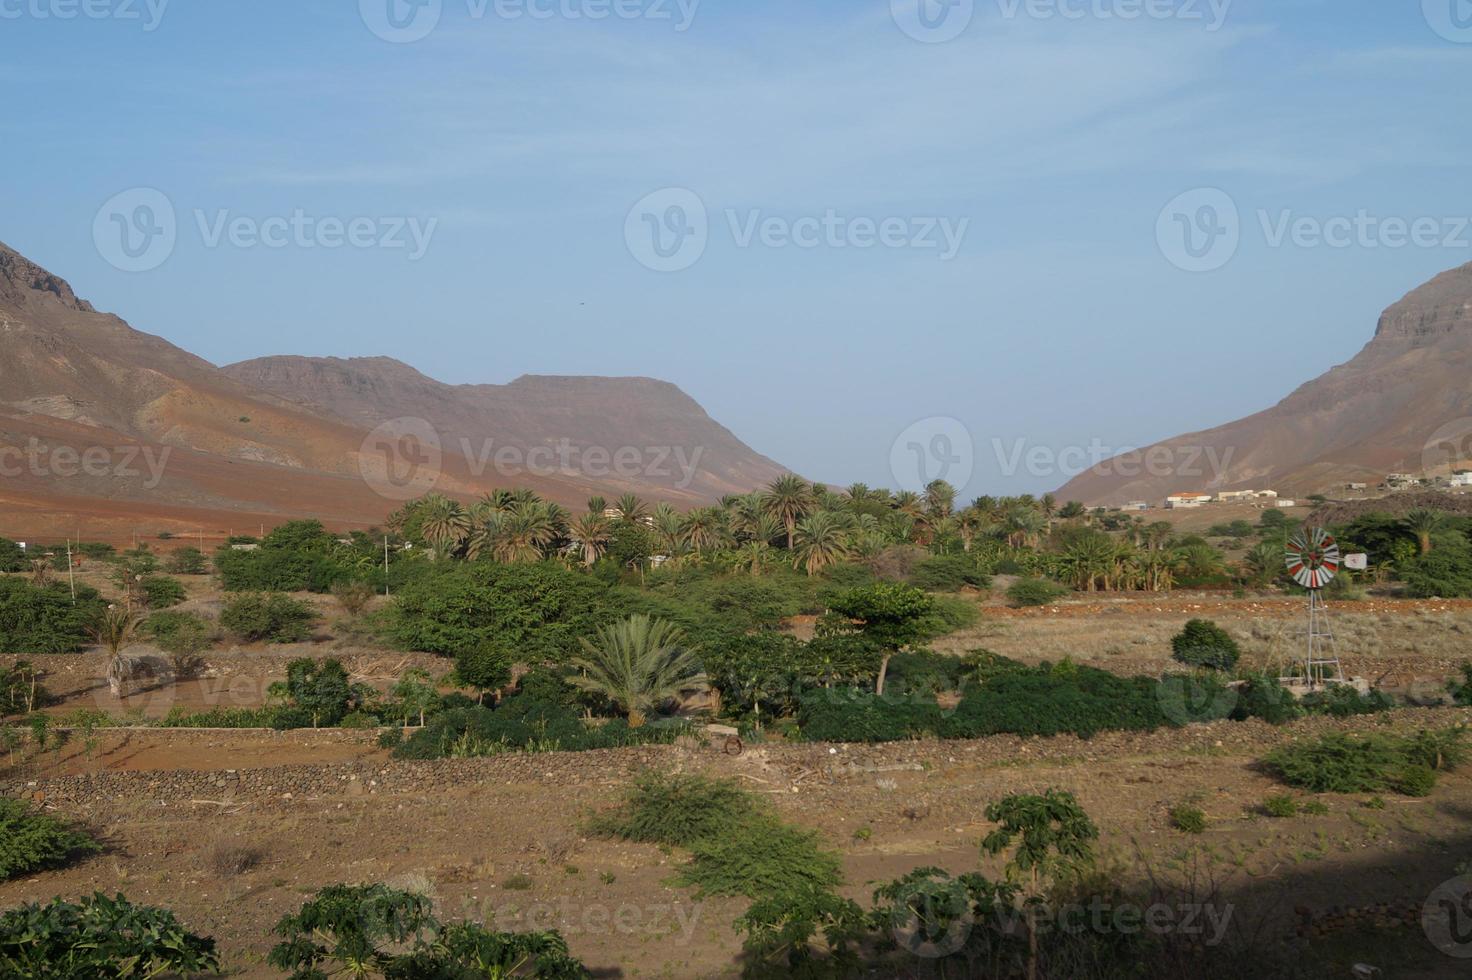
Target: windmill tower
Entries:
(1313, 560)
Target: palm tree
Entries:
(940, 498)
(639, 664)
(631, 510)
(590, 534)
(446, 525)
(1423, 524)
(703, 528)
(667, 525)
(754, 555)
(114, 631)
(821, 541)
(597, 505)
(788, 498)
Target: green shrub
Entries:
(161, 592)
(180, 632)
(21, 690)
(1074, 700)
(1035, 592)
(276, 618)
(1188, 819)
(31, 841)
(1263, 696)
(374, 930)
(318, 694)
(45, 619)
(186, 561)
(100, 937)
(1461, 691)
(677, 809)
(949, 573)
(760, 858)
(524, 723)
(221, 718)
(1444, 573)
(1205, 644)
(1280, 806)
(1339, 763)
(849, 715)
(12, 556)
(1344, 701)
(299, 556)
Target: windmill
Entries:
(1313, 560)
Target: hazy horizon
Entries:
(900, 225)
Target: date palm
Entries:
(940, 499)
(788, 499)
(631, 510)
(590, 534)
(640, 664)
(1424, 523)
(703, 528)
(821, 541)
(113, 632)
(597, 505)
(445, 525)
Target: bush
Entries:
(352, 596)
(1066, 699)
(1339, 763)
(318, 691)
(221, 718)
(677, 809)
(850, 715)
(45, 619)
(524, 724)
(1262, 696)
(1444, 573)
(1205, 644)
(31, 841)
(1035, 592)
(1344, 701)
(161, 592)
(12, 556)
(368, 930)
(100, 937)
(271, 617)
(186, 561)
(760, 859)
(21, 691)
(299, 556)
(949, 573)
(1280, 806)
(1188, 819)
(180, 633)
(1461, 692)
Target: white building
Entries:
(1136, 505)
(1285, 504)
(1462, 480)
(1180, 500)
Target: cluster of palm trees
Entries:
(810, 526)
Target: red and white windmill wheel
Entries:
(1313, 558)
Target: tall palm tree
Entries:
(640, 664)
(667, 526)
(590, 535)
(940, 499)
(788, 499)
(1424, 523)
(631, 510)
(703, 528)
(821, 541)
(446, 525)
(114, 631)
(597, 505)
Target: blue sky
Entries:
(1056, 142)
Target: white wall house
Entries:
(1179, 500)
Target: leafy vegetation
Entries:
(32, 841)
(272, 617)
(1035, 592)
(1205, 644)
(1341, 763)
(100, 937)
(44, 619)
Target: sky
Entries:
(1039, 230)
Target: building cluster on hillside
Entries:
(1181, 501)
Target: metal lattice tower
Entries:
(1313, 560)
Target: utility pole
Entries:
(385, 566)
(71, 571)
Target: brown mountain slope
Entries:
(1411, 386)
(108, 428)
(665, 439)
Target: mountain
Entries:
(668, 441)
(1403, 404)
(106, 427)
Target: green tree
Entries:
(485, 667)
(1423, 524)
(416, 694)
(787, 499)
(821, 542)
(890, 615)
(639, 664)
(1050, 837)
(320, 690)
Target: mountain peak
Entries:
(20, 279)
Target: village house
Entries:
(1180, 500)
